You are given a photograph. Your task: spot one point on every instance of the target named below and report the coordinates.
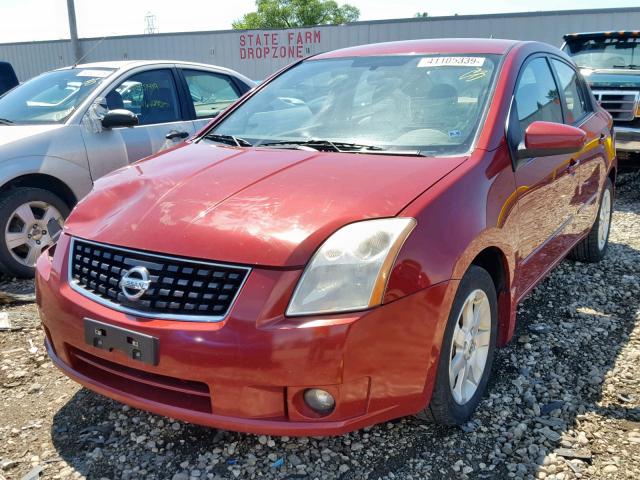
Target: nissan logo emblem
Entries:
(134, 282)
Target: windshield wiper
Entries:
(228, 139)
(324, 145)
(6, 121)
(342, 147)
(630, 67)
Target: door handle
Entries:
(573, 164)
(173, 135)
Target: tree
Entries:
(421, 15)
(296, 13)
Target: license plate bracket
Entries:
(137, 346)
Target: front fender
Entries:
(76, 177)
(473, 208)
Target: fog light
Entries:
(320, 401)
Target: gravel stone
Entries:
(563, 402)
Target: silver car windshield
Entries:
(51, 97)
(426, 103)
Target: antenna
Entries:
(150, 25)
(90, 50)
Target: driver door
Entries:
(152, 95)
(545, 185)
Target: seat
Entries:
(443, 91)
(114, 100)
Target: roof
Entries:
(440, 45)
(587, 35)
(128, 64)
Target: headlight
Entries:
(350, 270)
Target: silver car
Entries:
(62, 130)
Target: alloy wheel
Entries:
(26, 232)
(605, 218)
(470, 347)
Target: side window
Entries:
(573, 94)
(150, 95)
(210, 92)
(537, 96)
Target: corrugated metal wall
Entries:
(242, 51)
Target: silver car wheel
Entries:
(26, 233)
(605, 218)
(470, 347)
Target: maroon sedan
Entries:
(345, 245)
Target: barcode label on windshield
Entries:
(451, 62)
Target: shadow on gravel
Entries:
(100, 438)
(545, 387)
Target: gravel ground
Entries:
(564, 402)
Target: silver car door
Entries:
(153, 97)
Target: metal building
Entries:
(257, 53)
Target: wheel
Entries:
(24, 215)
(594, 246)
(467, 350)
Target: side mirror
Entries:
(119, 118)
(543, 139)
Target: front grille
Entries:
(178, 289)
(621, 104)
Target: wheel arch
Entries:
(45, 182)
(499, 261)
(67, 179)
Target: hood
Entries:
(612, 78)
(269, 207)
(12, 134)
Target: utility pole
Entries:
(73, 31)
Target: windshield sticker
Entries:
(451, 62)
(455, 133)
(472, 75)
(93, 73)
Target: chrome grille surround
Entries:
(95, 270)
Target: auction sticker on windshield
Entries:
(451, 62)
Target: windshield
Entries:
(430, 103)
(51, 97)
(605, 52)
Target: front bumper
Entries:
(249, 371)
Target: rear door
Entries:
(152, 95)
(209, 93)
(591, 166)
(545, 185)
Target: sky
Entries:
(28, 20)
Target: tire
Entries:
(16, 204)
(444, 408)
(593, 247)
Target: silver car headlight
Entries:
(350, 270)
